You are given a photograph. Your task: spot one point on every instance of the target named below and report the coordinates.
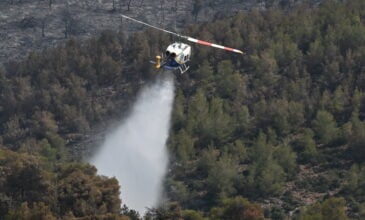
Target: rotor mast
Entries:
(197, 41)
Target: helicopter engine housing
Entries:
(179, 51)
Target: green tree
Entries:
(356, 141)
(330, 209)
(286, 158)
(192, 215)
(182, 145)
(74, 120)
(340, 100)
(204, 74)
(221, 178)
(83, 193)
(43, 123)
(307, 146)
(280, 117)
(36, 211)
(296, 115)
(25, 181)
(197, 112)
(270, 178)
(177, 190)
(243, 120)
(13, 130)
(108, 69)
(237, 208)
(169, 211)
(325, 127)
(179, 114)
(132, 214)
(238, 150)
(356, 180)
(266, 177)
(219, 126)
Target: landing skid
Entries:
(183, 68)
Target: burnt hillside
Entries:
(26, 25)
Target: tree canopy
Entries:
(252, 137)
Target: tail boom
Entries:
(213, 45)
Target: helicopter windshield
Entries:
(170, 55)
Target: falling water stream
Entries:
(135, 151)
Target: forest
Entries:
(277, 133)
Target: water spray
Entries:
(135, 151)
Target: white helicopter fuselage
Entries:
(180, 52)
(176, 57)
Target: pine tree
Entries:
(325, 127)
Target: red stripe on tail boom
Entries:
(204, 43)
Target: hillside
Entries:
(282, 126)
(27, 25)
(275, 134)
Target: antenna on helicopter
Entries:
(197, 41)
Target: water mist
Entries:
(135, 151)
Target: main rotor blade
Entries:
(213, 45)
(186, 37)
(151, 26)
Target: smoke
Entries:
(135, 151)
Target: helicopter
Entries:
(178, 54)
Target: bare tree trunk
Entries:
(66, 19)
(43, 26)
(129, 4)
(120, 5)
(175, 12)
(66, 28)
(113, 5)
(121, 24)
(162, 2)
